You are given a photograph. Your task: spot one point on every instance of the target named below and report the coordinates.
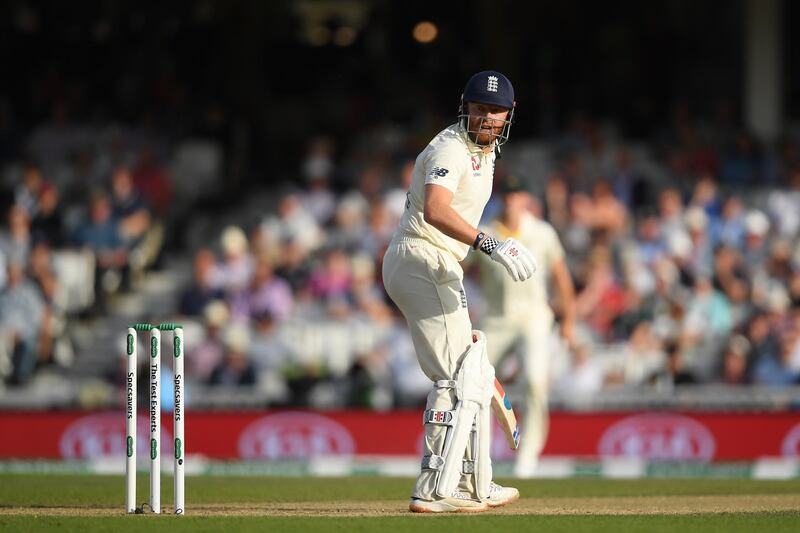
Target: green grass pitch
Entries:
(231, 504)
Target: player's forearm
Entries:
(565, 290)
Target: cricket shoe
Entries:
(459, 502)
(500, 495)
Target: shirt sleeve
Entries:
(444, 167)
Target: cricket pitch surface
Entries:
(34, 502)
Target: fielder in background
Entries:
(519, 318)
(452, 181)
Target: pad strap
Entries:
(432, 462)
(445, 384)
(434, 416)
(468, 467)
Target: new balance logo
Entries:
(463, 299)
(437, 172)
(491, 85)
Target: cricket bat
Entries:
(505, 415)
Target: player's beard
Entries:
(482, 134)
(485, 137)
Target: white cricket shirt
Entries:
(456, 163)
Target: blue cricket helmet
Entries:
(492, 88)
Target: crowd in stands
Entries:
(78, 225)
(685, 252)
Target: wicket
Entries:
(155, 416)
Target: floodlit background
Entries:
(239, 168)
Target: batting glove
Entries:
(510, 253)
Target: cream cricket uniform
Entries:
(421, 270)
(520, 313)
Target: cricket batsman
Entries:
(519, 315)
(452, 182)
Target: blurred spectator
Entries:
(585, 375)
(735, 361)
(730, 278)
(16, 242)
(670, 209)
(293, 265)
(628, 185)
(730, 228)
(706, 197)
(267, 293)
(764, 341)
(47, 226)
(100, 234)
(317, 169)
(26, 194)
(233, 274)
(601, 300)
(705, 327)
(21, 315)
(778, 267)
(642, 355)
(349, 224)
(395, 199)
(153, 182)
(556, 203)
(699, 260)
(668, 302)
(756, 226)
(204, 357)
(271, 357)
(651, 246)
(3, 270)
(364, 287)
(292, 223)
(332, 279)
(42, 274)
(784, 206)
(776, 371)
(200, 293)
(607, 213)
(381, 228)
(755, 251)
(674, 371)
(236, 367)
(794, 289)
(578, 230)
(369, 184)
(267, 349)
(128, 207)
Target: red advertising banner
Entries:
(277, 435)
